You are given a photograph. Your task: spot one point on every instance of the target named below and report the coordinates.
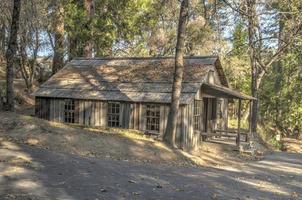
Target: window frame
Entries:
(113, 114)
(197, 114)
(69, 111)
(153, 117)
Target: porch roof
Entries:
(224, 92)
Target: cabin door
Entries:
(209, 114)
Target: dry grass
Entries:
(118, 144)
(292, 145)
(105, 143)
(24, 100)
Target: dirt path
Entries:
(292, 145)
(31, 173)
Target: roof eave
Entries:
(224, 92)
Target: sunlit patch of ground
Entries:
(292, 145)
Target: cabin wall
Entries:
(191, 138)
(42, 108)
(132, 116)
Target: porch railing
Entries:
(227, 133)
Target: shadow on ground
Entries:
(27, 172)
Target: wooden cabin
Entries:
(134, 93)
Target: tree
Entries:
(239, 40)
(2, 41)
(89, 7)
(33, 22)
(169, 136)
(28, 65)
(58, 30)
(280, 93)
(11, 55)
(252, 23)
(260, 38)
(5, 15)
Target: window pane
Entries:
(113, 113)
(69, 111)
(197, 114)
(152, 117)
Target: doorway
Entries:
(209, 114)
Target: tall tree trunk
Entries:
(2, 43)
(10, 56)
(170, 133)
(251, 12)
(33, 64)
(58, 24)
(23, 57)
(89, 7)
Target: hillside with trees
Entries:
(150, 99)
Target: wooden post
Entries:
(239, 120)
(250, 124)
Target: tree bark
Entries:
(2, 43)
(10, 56)
(58, 24)
(170, 132)
(89, 7)
(23, 58)
(251, 9)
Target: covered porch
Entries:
(223, 134)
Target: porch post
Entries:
(250, 124)
(239, 120)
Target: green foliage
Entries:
(280, 91)
(268, 134)
(240, 38)
(237, 69)
(290, 95)
(113, 24)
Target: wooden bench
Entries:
(226, 133)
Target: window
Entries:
(69, 111)
(152, 117)
(113, 114)
(197, 114)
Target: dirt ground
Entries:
(45, 160)
(31, 173)
(292, 145)
(116, 144)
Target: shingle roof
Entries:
(126, 79)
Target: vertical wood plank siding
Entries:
(133, 116)
(42, 108)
